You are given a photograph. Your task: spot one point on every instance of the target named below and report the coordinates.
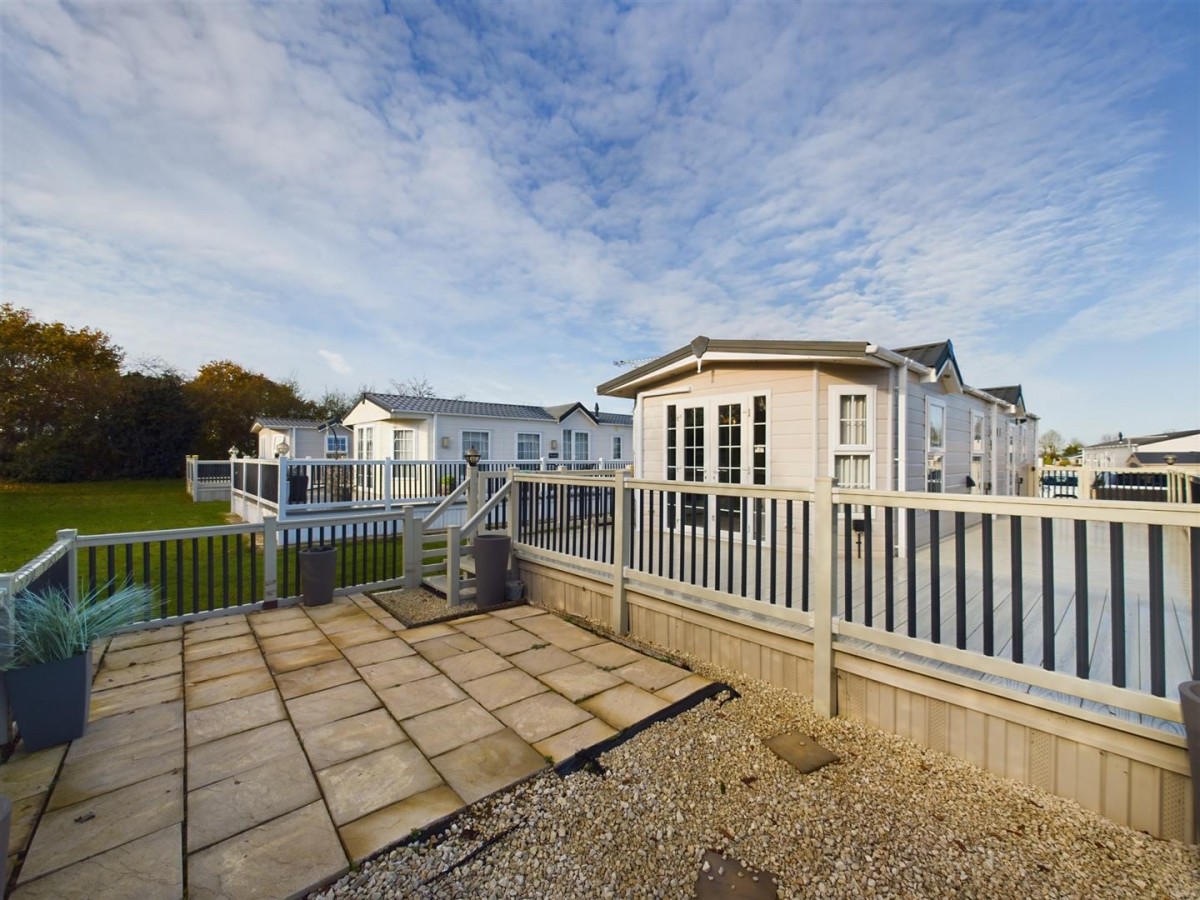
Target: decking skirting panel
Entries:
(1131, 779)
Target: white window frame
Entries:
(568, 444)
(933, 451)
(466, 444)
(617, 441)
(587, 441)
(517, 446)
(412, 433)
(834, 428)
(364, 442)
(337, 443)
(978, 421)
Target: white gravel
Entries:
(889, 820)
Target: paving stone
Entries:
(214, 621)
(567, 743)
(542, 660)
(107, 679)
(25, 814)
(149, 868)
(470, 666)
(608, 655)
(651, 674)
(367, 634)
(518, 612)
(299, 682)
(146, 636)
(503, 688)
(339, 702)
(580, 681)
(304, 637)
(800, 750)
(440, 648)
(280, 858)
(236, 644)
(336, 742)
(73, 833)
(378, 651)
(391, 623)
(227, 628)
(228, 687)
(396, 671)
(156, 753)
(26, 774)
(510, 642)
(135, 696)
(357, 621)
(536, 718)
(624, 705)
(371, 608)
(360, 786)
(728, 877)
(487, 765)
(120, 659)
(303, 657)
(392, 824)
(341, 607)
(561, 634)
(407, 700)
(265, 624)
(224, 808)
(425, 632)
(446, 728)
(685, 688)
(242, 714)
(227, 756)
(225, 664)
(488, 625)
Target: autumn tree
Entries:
(1050, 445)
(152, 426)
(226, 398)
(57, 386)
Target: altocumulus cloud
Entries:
(508, 197)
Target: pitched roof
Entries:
(282, 422)
(400, 403)
(933, 356)
(1009, 393)
(1144, 439)
(1182, 457)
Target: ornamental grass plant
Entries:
(45, 626)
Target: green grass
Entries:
(30, 514)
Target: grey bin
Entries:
(1189, 700)
(317, 566)
(491, 568)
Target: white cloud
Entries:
(335, 361)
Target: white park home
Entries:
(393, 426)
(1180, 449)
(305, 438)
(786, 412)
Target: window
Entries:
(529, 446)
(336, 444)
(581, 445)
(404, 443)
(365, 438)
(567, 443)
(978, 434)
(935, 445)
(480, 440)
(616, 442)
(852, 432)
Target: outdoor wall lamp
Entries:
(283, 448)
(472, 457)
(233, 451)
(445, 443)
(1170, 458)
(554, 445)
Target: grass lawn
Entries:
(30, 514)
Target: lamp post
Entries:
(472, 457)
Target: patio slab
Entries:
(307, 739)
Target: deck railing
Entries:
(1148, 484)
(1094, 603)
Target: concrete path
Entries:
(259, 755)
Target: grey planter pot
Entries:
(491, 568)
(5, 832)
(50, 700)
(317, 570)
(1189, 700)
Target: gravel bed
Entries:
(889, 820)
(418, 606)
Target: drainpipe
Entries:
(891, 434)
(902, 455)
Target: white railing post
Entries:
(8, 610)
(622, 531)
(413, 549)
(270, 566)
(281, 493)
(824, 592)
(472, 490)
(453, 583)
(387, 483)
(71, 534)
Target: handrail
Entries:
(468, 527)
(441, 508)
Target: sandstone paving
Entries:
(147, 868)
(469, 666)
(503, 688)
(543, 659)
(329, 705)
(149, 636)
(368, 632)
(425, 632)
(624, 705)
(518, 612)
(651, 674)
(362, 785)
(302, 637)
(683, 688)
(208, 649)
(580, 681)
(26, 774)
(407, 700)
(144, 653)
(446, 728)
(299, 682)
(228, 687)
(303, 657)
(336, 742)
(135, 673)
(276, 622)
(211, 723)
(377, 651)
(608, 655)
(224, 664)
(211, 762)
(566, 744)
(73, 833)
(536, 718)
(135, 696)
(82, 778)
(396, 671)
(488, 764)
(391, 824)
(279, 858)
(440, 648)
(561, 634)
(509, 642)
(488, 625)
(219, 629)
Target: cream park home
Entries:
(782, 413)
(392, 426)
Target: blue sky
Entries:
(505, 198)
